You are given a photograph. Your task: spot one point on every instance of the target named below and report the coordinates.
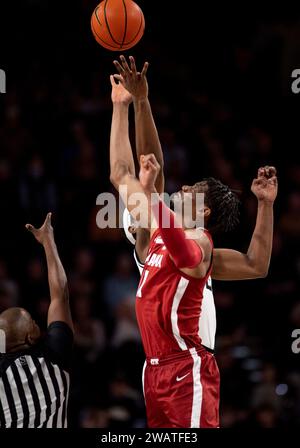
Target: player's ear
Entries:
(207, 211)
(132, 230)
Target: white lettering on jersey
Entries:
(155, 260)
(207, 321)
(142, 282)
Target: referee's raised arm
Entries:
(59, 309)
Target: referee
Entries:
(34, 371)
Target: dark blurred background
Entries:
(220, 87)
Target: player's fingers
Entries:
(261, 172)
(152, 166)
(112, 80)
(119, 67)
(119, 78)
(125, 65)
(132, 64)
(30, 228)
(149, 157)
(145, 69)
(272, 171)
(48, 218)
(273, 180)
(143, 160)
(154, 160)
(259, 182)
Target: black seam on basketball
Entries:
(128, 43)
(109, 45)
(125, 28)
(96, 15)
(108, 29)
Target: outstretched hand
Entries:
(118, 93)
(132, 80)
(265, 186)
(149, 169)
(44, 233)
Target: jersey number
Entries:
(142, 282)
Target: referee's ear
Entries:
(34, 333)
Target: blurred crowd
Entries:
(223, 108)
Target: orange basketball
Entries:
(118, 24)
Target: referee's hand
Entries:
(45, 233)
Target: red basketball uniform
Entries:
(180, 377)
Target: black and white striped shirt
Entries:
(34, 383)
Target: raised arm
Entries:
(122, 173)
(147, 139)
(120, 148)
(59, 309)
(233, 265)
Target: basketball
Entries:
(118, 25)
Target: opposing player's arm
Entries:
(59, 309)
(147, 139)
(121, 171)
(120, 150)
(233, 265)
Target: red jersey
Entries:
(168, 303)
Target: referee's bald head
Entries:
(20, 330)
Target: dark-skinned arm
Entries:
(59, 309)
(233, 265)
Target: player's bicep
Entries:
(230, 264)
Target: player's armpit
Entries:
(142, 244)
(230, 264)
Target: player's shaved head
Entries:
(19, 328)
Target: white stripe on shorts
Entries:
(197, 390)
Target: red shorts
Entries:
(182, 391)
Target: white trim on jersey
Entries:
(140, 265)
(182, 285)
(197, 390)
(143, 378)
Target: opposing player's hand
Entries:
(133, 81)
(44, 233)
(118, 93)
(148, 172)
(265, 186)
